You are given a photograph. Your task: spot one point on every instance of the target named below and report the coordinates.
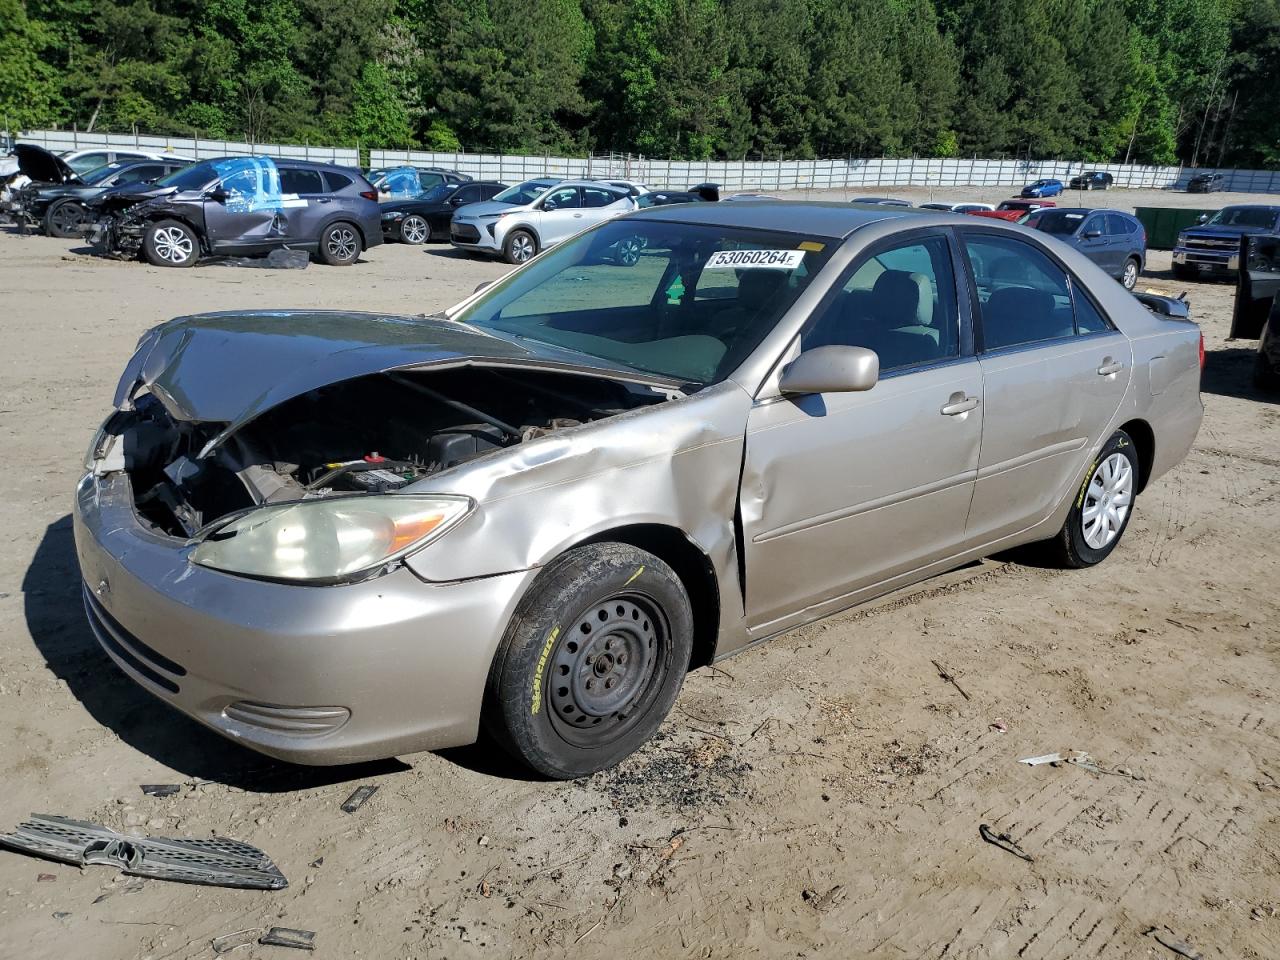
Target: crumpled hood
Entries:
(42, 166)
(230, 367)
(126, 195)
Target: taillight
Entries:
(369, 194)
(1202, 350)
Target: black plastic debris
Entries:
(1004, 842)
(1166, 938)
(161, 789)
(216, 861)
(358, 798)
(289, 937)
(280, 259)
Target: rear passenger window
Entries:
(336, 181)
(1023, 296)
(1118, 226)
(900, 302)
(139, 174)
(467, 194)
(300, 181)
(595, 197)
(491, 190)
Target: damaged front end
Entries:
(120, 223)
(211, 467)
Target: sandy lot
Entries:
(817, 796)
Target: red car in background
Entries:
(1013, 210)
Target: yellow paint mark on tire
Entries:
(542, 665)
(634, 575)
(1085, 486)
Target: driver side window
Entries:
(900, 302)
(561, 199)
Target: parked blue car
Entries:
(1115, 241)
(1042, 188)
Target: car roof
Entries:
(810, 217)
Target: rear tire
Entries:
(65, 219)
(1102, 508)
(591, 662)
(1182, 272)
(340, 244)
(1129, 277)
(170, 243)
(414, 229)
(521, 246)
(1265, 376)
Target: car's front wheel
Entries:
(1129, 277)
(1102, 508)
(339, 244)
(1182, 272)
(414, 229)
(170, 243)
(66, 219)
(591, 662)
(520, 246)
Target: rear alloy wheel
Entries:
(66, 219)
(1129, 278)
(169, 243)
(339, 245)
(592, 660)
(1102, 508)
(520, 247)
(414, 229)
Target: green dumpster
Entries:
(1163, 224)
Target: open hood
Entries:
(231, 367)
(42, 166)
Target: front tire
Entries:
(65, 220)
(1182, 272)
(591, 662)
(1129, 277)
(170, 243)
(414, 229)
(339, 244)
(1102, 508)
(520, 246)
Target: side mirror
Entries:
(549, 205)
(1092, 234)
(834, 369)
(456, 201)
(217, 195)
(1203, 218)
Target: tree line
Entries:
(1153, 81)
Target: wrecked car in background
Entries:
(61, 210)
(240, 206)
(336, 536)
(1256, 315)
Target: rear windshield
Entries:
(1059, 223)
(1243, 217)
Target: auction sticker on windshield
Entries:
(755, 259)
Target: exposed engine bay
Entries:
(369, 435)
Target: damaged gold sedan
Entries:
(335, 537)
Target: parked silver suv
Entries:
(534, 215)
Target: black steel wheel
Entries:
(592, 660)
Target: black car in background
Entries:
(388, 184)
(428, 215)
(61, 210)
(1093, 180)
(1207, 183)
(241, 206)
(700, 193)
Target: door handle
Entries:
(324, 200)
(958, 404)
(577, 216)
(1109, 367)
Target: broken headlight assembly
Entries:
(330, 539)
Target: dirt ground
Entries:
(820, 795)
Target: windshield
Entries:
(1243, 217)
(438, 193)
(526, 192)
(686, 301)
(194, 177)
(1059, 223)
(90, 161)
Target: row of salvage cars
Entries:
(678, 432)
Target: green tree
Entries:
(28, 95)
(378, 115)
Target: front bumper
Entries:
(1206, 259)
(315, 675)
(476, 235)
